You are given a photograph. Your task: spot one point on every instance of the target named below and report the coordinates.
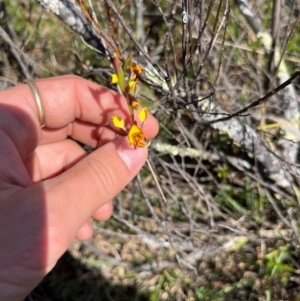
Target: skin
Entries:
(49, 187)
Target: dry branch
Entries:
(71, 14)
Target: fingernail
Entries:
(133, 158)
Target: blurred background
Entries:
(222, 79)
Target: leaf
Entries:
(127, 62)
(119, 71)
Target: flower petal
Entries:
(114, 79)
(132, 84)
(118, 122)
(135, 130)
(143, 114)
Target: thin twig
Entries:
(156, 181)
(260, 100)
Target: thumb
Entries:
(75, 195)
(47, 215)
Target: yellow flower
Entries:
(118, 122)
(114, 79)
(136, 136)
(132, 84)
(134, 104)
(143, 114)
(136, 69)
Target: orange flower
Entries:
(136, 69)
(136, 136)
(135, 105)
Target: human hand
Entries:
(49, 187)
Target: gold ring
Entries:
(38, 101)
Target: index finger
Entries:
(69, 99)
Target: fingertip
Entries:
(133, 158)
(104, 212)
(86, 230)
(151, 127)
